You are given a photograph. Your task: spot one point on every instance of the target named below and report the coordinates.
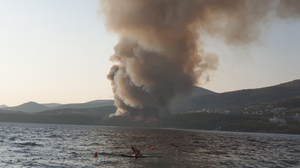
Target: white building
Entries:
(277, 120)
(278, 109)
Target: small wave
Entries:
(94, 144)
(291, 162)
(55, 136)
(12, 138)
(174, 145)
(29, 144)
(108, 154)
(294, 151)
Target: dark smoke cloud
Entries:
(289, 9)
(160, 53)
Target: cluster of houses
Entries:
(210, 111)
(277, 120)
(282, 121)
(260, 112)
(278, 111)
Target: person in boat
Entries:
(135, 152)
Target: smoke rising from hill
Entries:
(160, 52)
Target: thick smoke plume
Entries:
(160, 53)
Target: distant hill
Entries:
(11, 112)
(180, 102)
(52, 105)
(104, 111)
(29, 107)
(199, 99)
(199, 91)
(32, 107)
(91, 104)
(97, 101)
(3, 106)
(244, 97)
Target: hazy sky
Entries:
(57, 51)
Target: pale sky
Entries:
(57, 51)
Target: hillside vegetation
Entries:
(244, 97)
(244, 110)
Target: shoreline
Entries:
(164, 128)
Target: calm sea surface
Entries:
(46, 145)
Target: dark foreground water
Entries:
(42, 145)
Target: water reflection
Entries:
(41, 145)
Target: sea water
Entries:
(49, 145)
